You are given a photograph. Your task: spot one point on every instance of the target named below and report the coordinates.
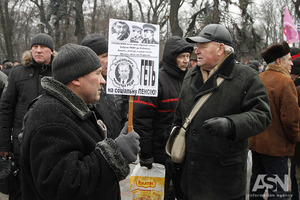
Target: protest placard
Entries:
(133, 60)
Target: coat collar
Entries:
(226, 71)
(278, 68)
(65, 95)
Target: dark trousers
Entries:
(265, 173)
(294, 184)
(172, 181)
(15, 191)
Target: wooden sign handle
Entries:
(130, 113)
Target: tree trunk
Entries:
(79, 21)
(93, 22)
(175, 28)
(7, 29)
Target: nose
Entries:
(38, 48)
(187, 59)
(102, 80)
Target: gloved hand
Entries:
(128, 144)
(219, 126)
(146, 161)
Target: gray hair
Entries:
(227, 49)
(274, 62)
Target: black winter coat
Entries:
(112, 109)
(24, 85)
(64, 154)
(215, 167)
(153, 116)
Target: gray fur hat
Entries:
(74, 61)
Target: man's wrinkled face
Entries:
(286, 62)
(90, 86)
(207, 54)
(41, 54)
(183, 60)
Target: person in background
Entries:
(3, 81)
(23, 85)
(111, 107)
(295, 160)
(7, 66)
(193, 59)
(152, 116)
(215, 163)
(271, 148)
(16, 62)
(65, 151)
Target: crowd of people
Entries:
(70, 139)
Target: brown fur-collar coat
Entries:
(280, 137)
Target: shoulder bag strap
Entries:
(199, 104)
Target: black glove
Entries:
(219, 126)
(128, 144)
(146, 161)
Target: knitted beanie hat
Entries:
(96, 42)
(43, 39)
(74, 61)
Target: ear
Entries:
(76, 82)
(278, 61)
(221, 49)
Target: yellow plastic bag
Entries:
(147, 184)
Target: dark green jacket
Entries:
(215, 167)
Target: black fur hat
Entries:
(274, 51)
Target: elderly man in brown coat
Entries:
(271, 148)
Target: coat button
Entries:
(193, 133)
(193, 163)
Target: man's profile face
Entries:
(103, 59)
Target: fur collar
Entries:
(65, 95)
(278, 68)
(27, 59)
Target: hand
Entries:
(146, 162)
(219, 126)
(128, 144)
(4, 153)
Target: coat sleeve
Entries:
(61, 170)
(256, 115)
(144, 109)
(7, 112)
(289, 112)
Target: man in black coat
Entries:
(110, 106)
(153, 116)
(65, 152)
(215, 163)
(24, 85)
